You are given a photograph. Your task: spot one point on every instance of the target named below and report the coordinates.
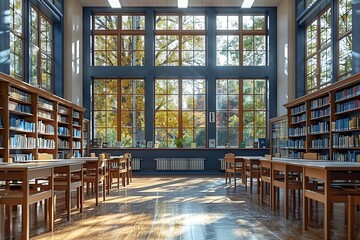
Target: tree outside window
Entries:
(16, 39)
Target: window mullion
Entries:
(241, 111)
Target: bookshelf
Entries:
(86, 138)
(327, 122)
(34, 121)
(279, 136)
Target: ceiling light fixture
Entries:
(114, 3)
(247, 3)
(183, 3)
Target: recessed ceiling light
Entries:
(183, 3)
(114, 3)
(247, 3)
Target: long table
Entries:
(327, 172)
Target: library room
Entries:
(179, 119)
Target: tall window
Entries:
(16, 39)
(119, 111)
(41, 51)
(318, 52)
(345, 38)
(241, 40)
(180, 40)
(180, 111)
(241, 111)
(118, 40)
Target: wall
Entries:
(73, 63)
(286, 54)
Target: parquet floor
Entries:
(181, 207)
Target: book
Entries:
(262, 142)
(1, 122)
(212, 143)
(118, 144)
(193, 145)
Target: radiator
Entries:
(180, 163)
(222, 164)
(136, 163)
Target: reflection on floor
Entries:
(182, 207)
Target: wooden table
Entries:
(66, 168)
(328, 172)
(254, 168)
(25, 172)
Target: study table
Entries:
(24, 172)
(327, 172)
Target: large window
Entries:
(318, 52)
(118, 114)
(241, 40)
(118, 40)
(180, 111)
(41, 51)
(180, 40)
(344, 38)
(16, 39)
(241, 111)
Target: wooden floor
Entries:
(182, 207)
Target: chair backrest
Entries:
(45, 156)
(310, 156)
(268, 156)
(277, 155)
(229, 157)
(92, 155)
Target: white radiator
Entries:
(222, 163)
(136, 163)
(180, 163)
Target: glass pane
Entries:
(221, 119)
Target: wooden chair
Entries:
(265, 177)
(92, 155)
(95, 173)
(129, 167)
(353, 200)
(231, 167)
(118, 169)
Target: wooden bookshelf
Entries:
(328, 124)
(33, 121)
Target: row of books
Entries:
(62, 118)
(344, 141)
(45, 114)
(297, 155)
(22, 124)
(299, 143)
(347, 93)
(63, 144)
(22, 141)
(323, 156)
(45, 128)
(350, 156)
(298, 109)
(1, 123)
(22, 157)
(299, 131)
(346, 106)
(45, 103)
(45, 143)
(76, 144)
(320, 113)
(76, 133)
(320, 143)
(63, 110)
(300, 118)
(1, 141)
(19, 107)
(320, 127)
(76, 114)
(19, 94)
(63, 131)
(319, 102)
(346, 124)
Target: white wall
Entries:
(285, 54)
(73, 69)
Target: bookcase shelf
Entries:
(31, 120)
(279, 136)
(332, 122)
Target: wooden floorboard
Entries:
(181, 207)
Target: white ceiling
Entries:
(173, 3)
